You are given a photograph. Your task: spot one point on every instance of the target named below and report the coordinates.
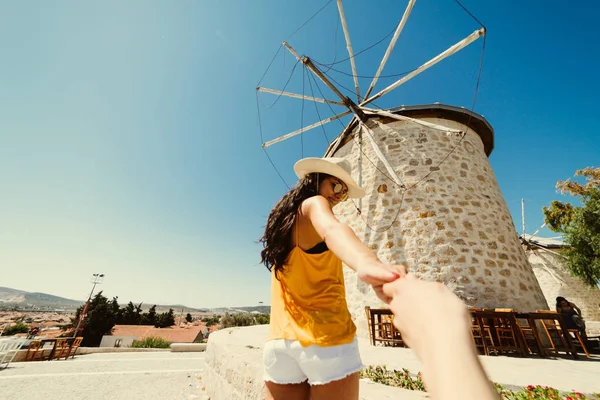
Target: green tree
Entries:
(116, 310)
(132, 314)
(188, 317)
(98, 322)
(580, 225)
(166, 319)
(150, 318)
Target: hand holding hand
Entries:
(377, 274)
(427, 312)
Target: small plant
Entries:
(396, 378)
(151, 343)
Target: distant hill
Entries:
(13, 299)
(23, 301)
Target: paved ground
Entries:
(115, 376)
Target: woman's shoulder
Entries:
(316, 199)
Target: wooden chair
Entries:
(371, 333)
(530, 335)
(554, 338)
(381, 327)
(501, 330)
(554, 331)
(73, 348)
(35, 351)
(482, 339)
(61, 349)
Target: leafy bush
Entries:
(211, 321)
(244, 319)
(19, 327)
(151, 343)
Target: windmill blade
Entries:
(349, 47)
(409, 7)
(450, 51)
(298, 96)
(309, 64)
(405, 118)
(306, 128)
(371, 137)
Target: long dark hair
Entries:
(277, 240)
(559, 299)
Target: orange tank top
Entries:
(308, 301)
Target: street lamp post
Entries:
(96, 279)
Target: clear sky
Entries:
(129, 140)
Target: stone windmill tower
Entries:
(432, 200)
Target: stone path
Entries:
(115, 376)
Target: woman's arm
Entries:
(346, 245)
(576, 309)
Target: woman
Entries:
(311, 351)
(571, 315)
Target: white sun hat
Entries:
(334, 166)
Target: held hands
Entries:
(377, 274)
(425, 310)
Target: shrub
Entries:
(151, 343)
(19, 327)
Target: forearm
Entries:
(347, 246)
(453, 372)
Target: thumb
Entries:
(389, 289)
(398, 286)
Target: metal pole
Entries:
(97, 278)
(523, 218)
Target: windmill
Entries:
(359, 107)
(433, 202)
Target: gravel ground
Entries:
(131, 376)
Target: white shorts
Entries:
(286, 362)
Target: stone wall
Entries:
(555, 280)
(451, 225)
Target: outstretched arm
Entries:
(346, 245)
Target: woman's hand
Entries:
(377, 274)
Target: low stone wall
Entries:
(187, 347)
(234, 368)
(20, 356)
(233, 360)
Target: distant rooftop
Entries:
(545, 242)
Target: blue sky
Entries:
(129, 139)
